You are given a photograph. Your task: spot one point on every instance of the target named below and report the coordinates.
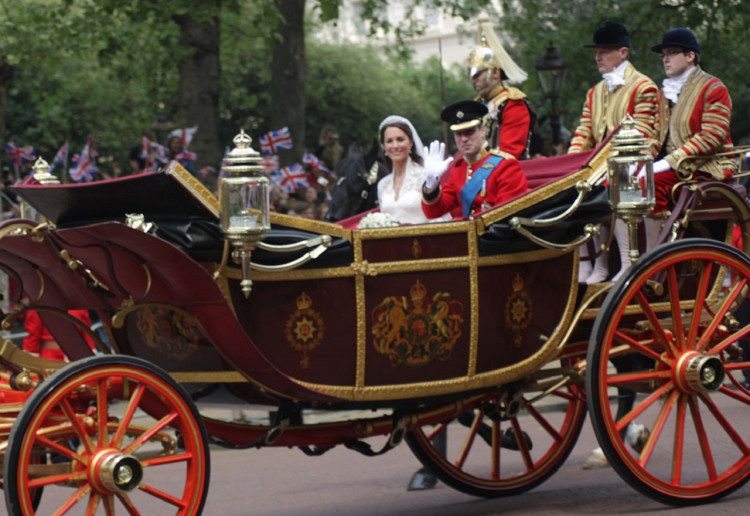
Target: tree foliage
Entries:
(719, 25)
(109, 67)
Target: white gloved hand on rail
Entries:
(661, 166)
(435, 164)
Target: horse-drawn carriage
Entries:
(477, 325)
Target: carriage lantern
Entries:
(629, 162)
(243, 197)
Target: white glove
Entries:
(661, 166)
(434, 164)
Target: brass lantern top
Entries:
(628, 139)
(243, 160)
(42, 173)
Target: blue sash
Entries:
(477, 181)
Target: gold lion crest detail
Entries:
(418, 330)
(304, 329)
(169, 332)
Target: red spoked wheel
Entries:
(481, 454)
(672, 315)
(100, 436)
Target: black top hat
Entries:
(464, 114)
(678, 37)
(611, 34)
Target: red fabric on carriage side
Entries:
(542, 171)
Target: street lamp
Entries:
(550, 70)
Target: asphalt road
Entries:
(281, 482)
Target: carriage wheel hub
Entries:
(696, 372)
(117, 472)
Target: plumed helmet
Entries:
(489, 53)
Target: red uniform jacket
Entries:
(38, 333)
(506, 182)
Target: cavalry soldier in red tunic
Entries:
(510, 119)
(622, 90)
(478, 178)
(694, 114)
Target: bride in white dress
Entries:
(400, 192)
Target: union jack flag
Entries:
(185, 135)
(290, 178)
(19, 155)
(61, 158)
(84, 163)
(274, 141)
(185, 156)
(313, 161)
(270, 161)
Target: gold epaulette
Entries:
(502, 154)
(515, 94)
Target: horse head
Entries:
(356, 189)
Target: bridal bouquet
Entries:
(377, 220)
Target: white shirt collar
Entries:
(616, 77)
(671, 86)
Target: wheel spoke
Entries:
(700, 297)
(62, 450)
(642, 406)
(469, 441)
(439, 428)
(719, 317)
(634, 345)
(739, 396)
(127, 417)
(73, 499)
(495, 454)
(729, 340)
(676, 308)
(657, 429)
(167, 459)
(77, 426)
(521, 442)
(148, 434)
(161, 495)
(77, 476)
(102, 413)
(125, 499)
(539, 418)
(679, 442)
(93, 504)
(638, 377)
(725, 424)
(708, 458)
(648, 311)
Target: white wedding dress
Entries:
(407, 209)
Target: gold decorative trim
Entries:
(17, 229)
(195, 187)
(414, 230)
(361, 311)
(208, 376)
(28, 362)
(471, 236)
(316, 226)
(549, 349)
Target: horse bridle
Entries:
(371, 178)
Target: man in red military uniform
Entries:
(478, 178)
(623, 90)
(509, 120)
(40, 341)
(695, 110)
